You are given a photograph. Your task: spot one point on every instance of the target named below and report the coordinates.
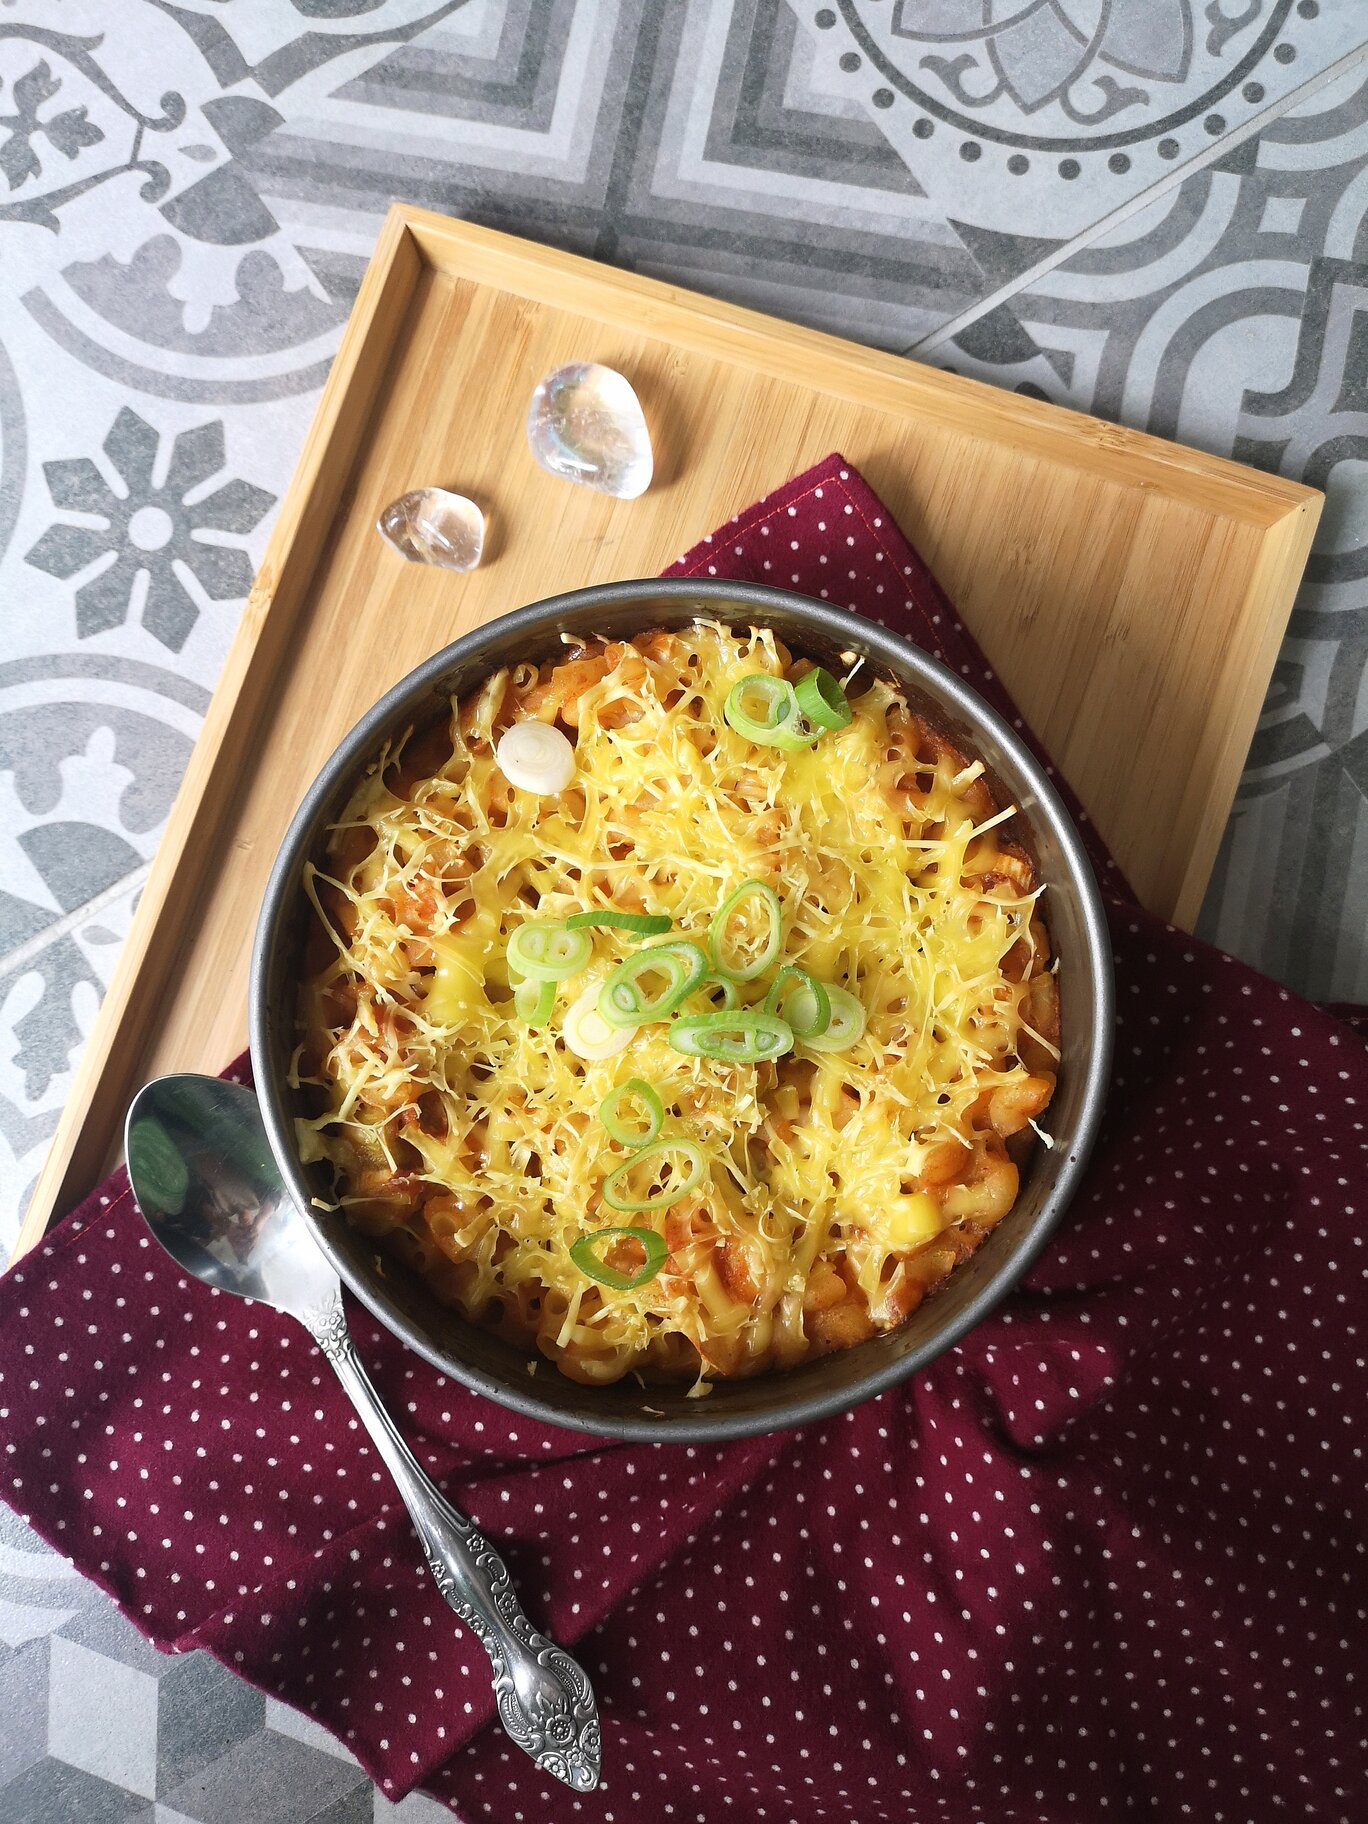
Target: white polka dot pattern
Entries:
(1103, 1559)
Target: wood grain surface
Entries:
(1132, 593)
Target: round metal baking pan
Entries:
(816, 1389)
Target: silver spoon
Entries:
(211, 1192)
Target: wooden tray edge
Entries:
(76, 1156)
(1282, 558)
(464, 250)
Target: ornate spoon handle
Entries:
(545, 1701)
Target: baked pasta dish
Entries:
(678, 1007)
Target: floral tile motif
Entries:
(1053, 112)
(68, 127)
(149, 529)
(1035, 69)
(67, 131)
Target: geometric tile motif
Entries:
(203, 1712)
(52, 1792)
(272, 1779)
(102, 1716)
(98, 1725)
(24, 1706)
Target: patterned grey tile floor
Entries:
(1156, 210)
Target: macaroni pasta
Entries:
(838, 1186)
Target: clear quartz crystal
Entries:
(430, 526)
(586, 424)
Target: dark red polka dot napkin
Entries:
(1103, 1559)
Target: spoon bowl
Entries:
(210, 1191)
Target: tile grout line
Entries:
(1170, 180)
(51, 934)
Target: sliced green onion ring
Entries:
(635, 924)
(622, 1190)
(533, 1001)
(620, 1129)
(731, 994)
(765, 710)
(717, 935)
(741, 1037)
(547, 952)
(723, 984)
(847, 1022)
(626, 998)
(822, 701)
(585, 1256)
(802, 1000)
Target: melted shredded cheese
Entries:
(841, 1186)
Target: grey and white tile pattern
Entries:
(99, 1727)
(1156, 210)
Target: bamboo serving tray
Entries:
(1132, 593)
